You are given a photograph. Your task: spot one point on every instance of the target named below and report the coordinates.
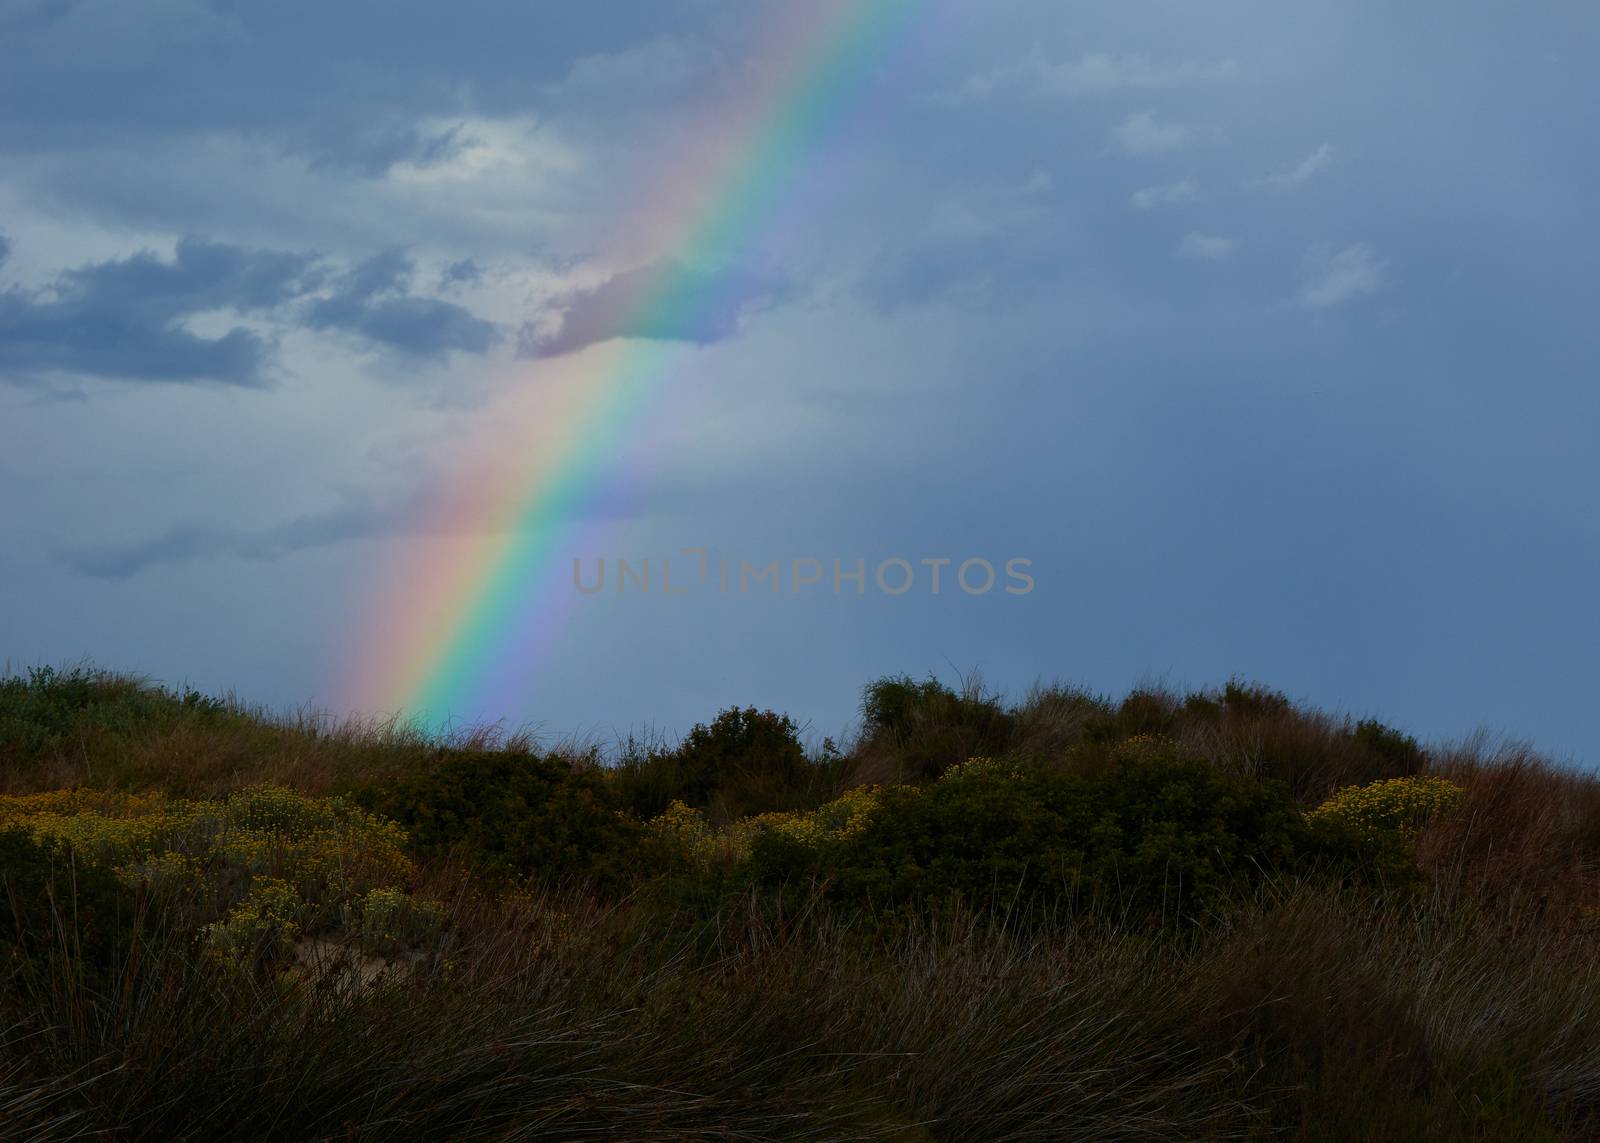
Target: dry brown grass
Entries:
(1526, 840)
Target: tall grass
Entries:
(1312, 1017)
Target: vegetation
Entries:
(1204, 916)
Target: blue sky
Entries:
(1263, 330)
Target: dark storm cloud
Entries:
(371, 301)
(665, 301)
(123, 319)
(341, 84)
(383, 273)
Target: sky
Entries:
(1263, 332)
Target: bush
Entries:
(1366, 833)
(914, 731)
(389, 922)
(212, 855)
(745, 762)
(48, 707)
(1397, 807)
(1399, 751)
(512, 815)
(48, 896)
(260, 931)
(788, 847)
(1143, 713)
(1156, 835)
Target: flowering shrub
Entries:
(681, 837)
(1396, 807)
(81, 800)
(388, 920)
(804, 845)
(685, 837)
(842, 818)
(240, 860)
(972, 766)
(259, 930)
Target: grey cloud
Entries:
(370, 301)
(123, 318)
(665, 301)
(372, 152)
(462, 273)
(189, 542)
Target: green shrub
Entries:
(889, 704)
(49, 706)
(51, 903)
(1397, 750)
(745, 762)
(1141, 713)
(1252, 700)
(923, 728)
(1155, 835)
(513, 815)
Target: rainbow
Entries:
(446, 639)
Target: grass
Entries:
(681, 1001)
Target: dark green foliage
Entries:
(55, 907)
(1396, 749)
(1252, 700)
(1156, 836)
(1345, 852)
(745, 762)
(1141, 712)
(924, 728)
(511, 814)
(888, 704)
(49, 707)
(1155, 712)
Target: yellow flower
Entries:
(1393, 806)
(324, 850)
